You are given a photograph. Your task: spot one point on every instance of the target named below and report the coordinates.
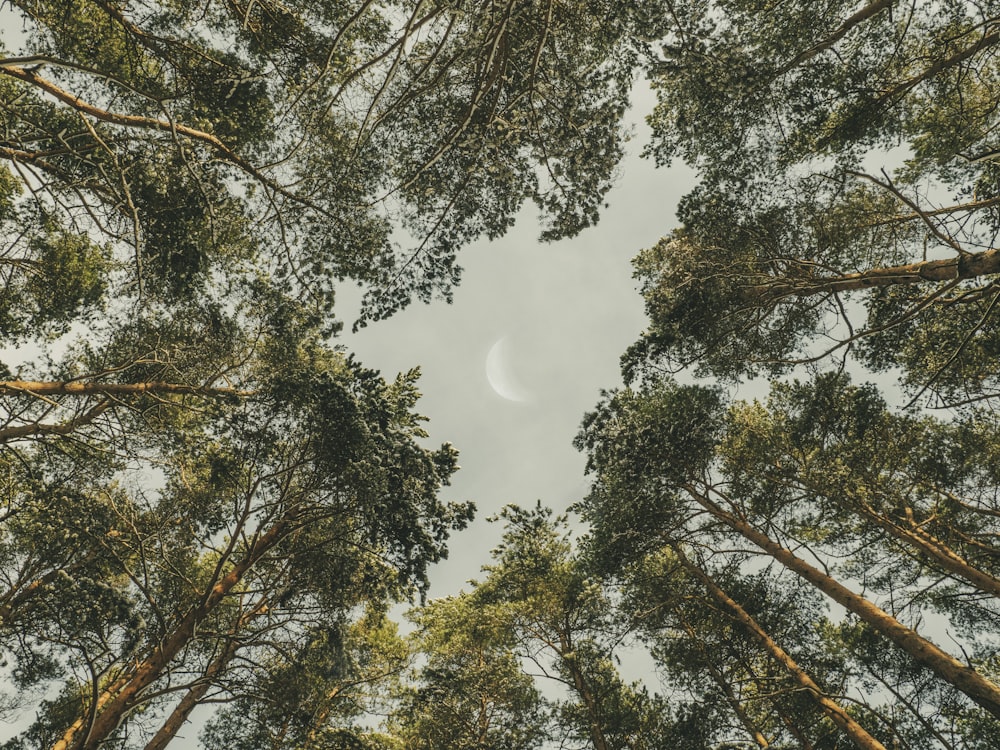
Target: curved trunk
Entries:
(60, 428)
(944, 665)
(196, 693)
(192, 698)
(16, 600)
(831, 708)
(862, 15)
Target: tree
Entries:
(234, 138)
(305, 506)
(565, 623)
(793, 248)
(765, 686)
(535, 626)
(471, 693)
(673, 470)
(200, 489)
(795, 253)
(310, 699)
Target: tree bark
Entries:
(862, 15)
(138, 122)
(168, 730)
(60, 428)
(969, 266)
(831, 708)
(14, 601)
(937, 550)
(84, 388)
(42, 390)
(988, 39)
(114, 702)
(963, 677)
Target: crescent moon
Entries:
(499, 376)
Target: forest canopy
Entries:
(209, 508)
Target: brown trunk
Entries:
(986, 41)
(62, 428)
(862, 15)
(831, 708)
(936, 550)
(198, 690)
(82, 388)
(583, 690)
(13, 602)
(31, 77)
(319, 720)
(114, 703)
(793, 728)
(483, 719)
(969, 266)
(192, 698)
(944, 665)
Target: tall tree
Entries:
(198, 487)
(305, 505)
(795, 247)
(673, 469)
(565, 623)
(536, 625)
(312, 697)
(471, 694)
(291, 138)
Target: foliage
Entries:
(270, 529)
(205, 502)
(290, 140)
(794, 247)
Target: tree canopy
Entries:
(210, 509)
(848, 203)
(206, 500)
(817, 566)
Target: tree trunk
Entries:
(862, 15)
(14, 601)
(969, 266)
(944, 665)
(566, 653)
(198, 690)
(937, 550)
(192, 698)
(319, 720)
(794, 729)
(114, 702)
(61, 428)
(87, 388)
(988, 40)
(831, 708)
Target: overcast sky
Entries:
(567, 311)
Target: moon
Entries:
(499, 376)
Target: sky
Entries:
(565, 311)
